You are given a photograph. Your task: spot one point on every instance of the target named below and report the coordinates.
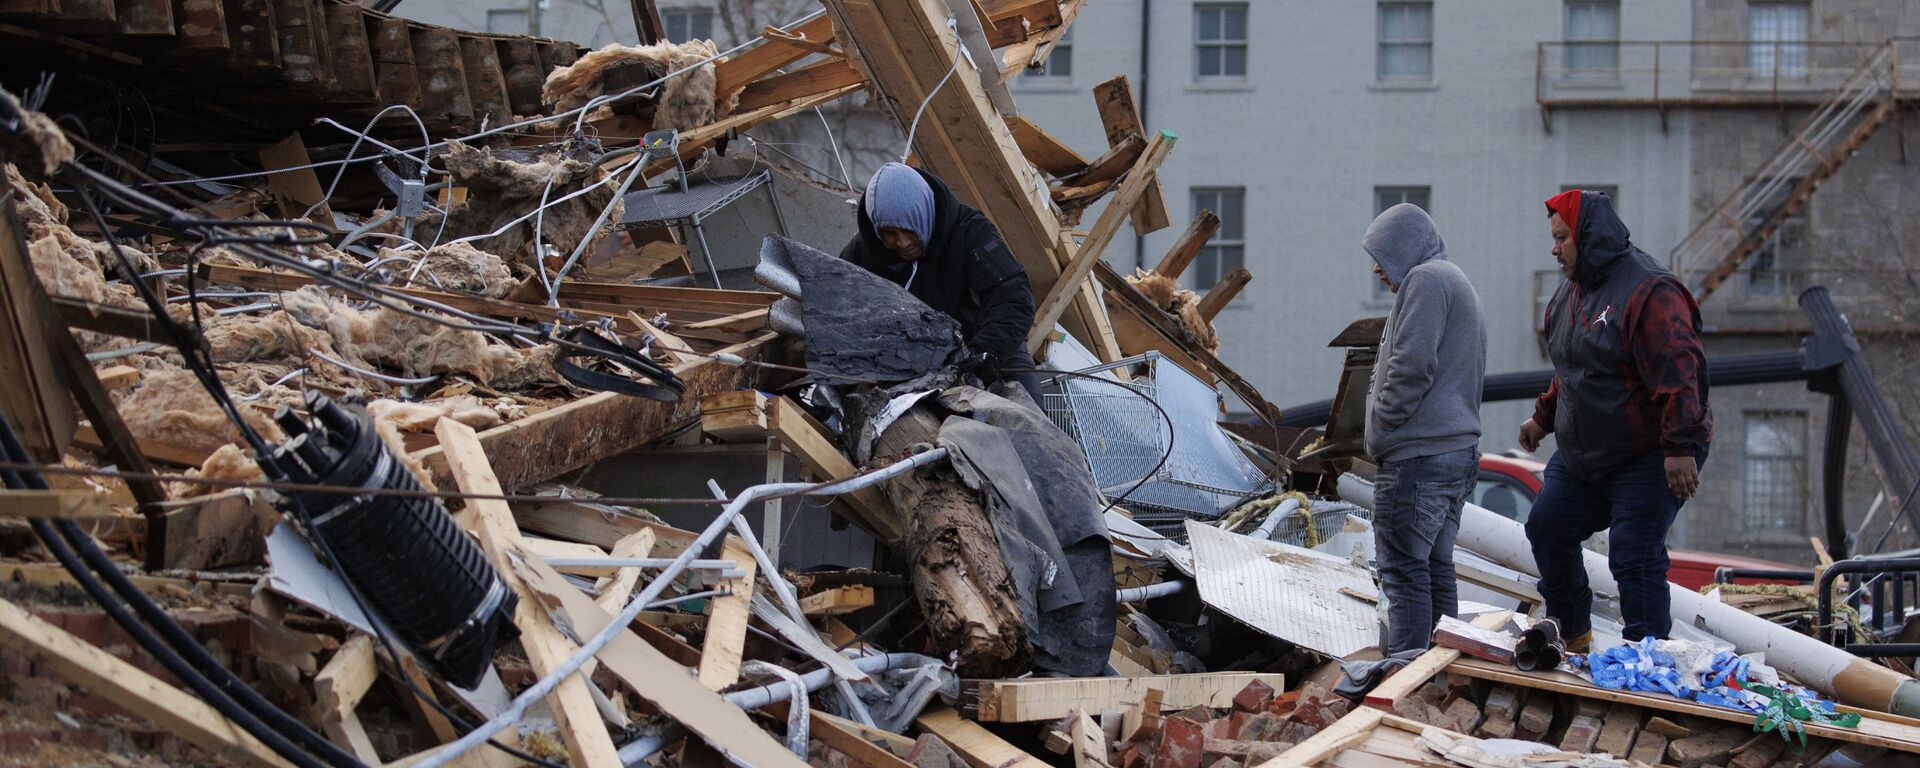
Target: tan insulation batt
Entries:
(419, 347)
(685, 102)
(505, 184)
(1166, 293)
(170, 407)
(459, 267)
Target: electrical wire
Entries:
(914, 127)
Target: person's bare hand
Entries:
(1683, 476)
(1530, 435)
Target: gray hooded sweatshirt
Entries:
(1425, 398)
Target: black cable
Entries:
(208, 692)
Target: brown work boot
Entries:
(1580, 643)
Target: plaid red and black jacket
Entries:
(1624, 337)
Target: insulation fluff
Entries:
(1166, 293)
(685, 102)
(271, 336)
(417, 346)
(171, 408)
(460, 267)
(228, 462)
(505, 184)
(420, 417)
(1158, 288)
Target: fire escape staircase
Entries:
(1743, 223)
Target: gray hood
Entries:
(1401, 238)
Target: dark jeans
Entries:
(1416, 515)
(1638, 507)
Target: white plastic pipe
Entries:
(1148, 592)
(1826, 669)
(1272, 523)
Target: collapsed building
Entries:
(423, 440)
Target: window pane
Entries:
(1236, 61)
(1405, 61)
(1209, 61)
(1234, 23)
(1774, 486)
(1406, 22)
(1232, 212)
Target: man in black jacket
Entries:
(947, 254)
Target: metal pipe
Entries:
(1834, 344)
(1824, 668)
(638, 562)
(1833, 474)
(1272, 523)
(545, 685)
(1150, 591)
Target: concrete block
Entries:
(1582, 733)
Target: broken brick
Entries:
(1701, 749)
(1496, 727)
(1339, 707)
(1617, 731)
(1182, 743)
(1581, 734)
(1220, 729)
(1536, 718)
(1225, 762)
(1462, 716)
(1502, 701)
(1759, 754)
(1262, 727)
(1297, 732)
(1254, 697)
(1668, 728)
(1242, 752)
(1650, 748)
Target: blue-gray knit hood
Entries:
(898, 198)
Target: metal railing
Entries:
(1882, 597)
(1704, 73)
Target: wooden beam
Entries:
(847, 738)
(838, 600)
(727, 621)
(353, 75)
(734, 73)
(1068, 287)
(1410, 677)
(1047, 153)
(202, 25)
(32, 394)
(486, 81)
(396, 78)
(1137, 307)
(521, 60)
(1034, 52)
(250, 29)
(338, 688)
(1222, 293)
(1352, 729)
(142, 694)
(1109, 166)
(614, 590)
(1189, 245)
(808, 441)
(906, 49)
(1089, 742)
(559, 440)
(1118, 113)
(975, 744)
(812, 80)
(744, 322)
(62, 504)
(647, 25)
(303, 46)
(572, 707)
(696, 141)
(1030, 700)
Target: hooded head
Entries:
(898, 198)
(1597, 235)
(1401, 238)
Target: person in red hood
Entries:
(1628, 406)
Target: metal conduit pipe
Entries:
(1272, 523)
(545, 685)
(1149, 592)
(633, 752)
(1829, 670)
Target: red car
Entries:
(1509, 483)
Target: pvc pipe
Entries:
(639, 562)
(1150, 591)
(1829, 670)
(545, 685)
(1272, 523)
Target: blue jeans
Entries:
(1638, 507)
(1416, 516)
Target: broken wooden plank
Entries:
(811, 80)
(1047, 153)
(1121, 118)
(56, 504)
(338, 688)
(118, 376)
(572, 707)
(1118, 293)
(1068, 287)
(727, 620)
(33, 397)
(1222, 293)
(614, 590)
(1109, 166)
(1089, 742)
(975, 744)
(850, 739)
(736, 72)
(737, 416)
(1142, 720)
(1188, 246)
(838, 600)
(1410, 677)
(141, 694)
(1352, 729)
(808, 441)
(1034, 51)
(1029, 700)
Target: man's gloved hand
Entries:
(982, 365)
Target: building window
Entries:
(1771, 267)
(1593, 38)
(1388, 197)
(1059, 63)
(1774, 491)
(507, 21)
(1227, 248)
(685, 24)
(1220, 40)
(1406, 42)
(1777, 39)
